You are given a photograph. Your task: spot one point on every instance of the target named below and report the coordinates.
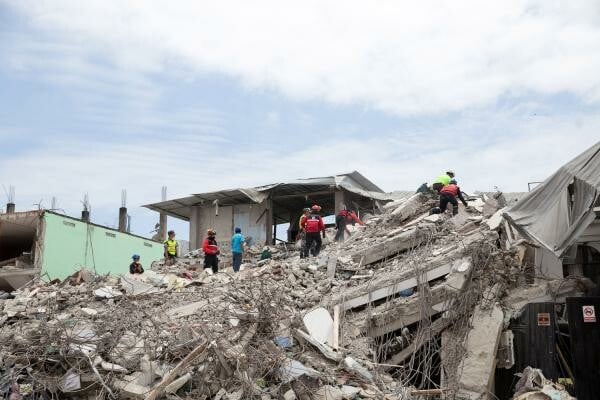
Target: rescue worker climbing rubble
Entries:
(342, 219)
(442, 180)
(313, 225)
(448, 194)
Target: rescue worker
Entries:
(302, 233)
(136, 267)
(211, 251)
(442, 180)
(313, 225)
(171, 249)
(342, 219)
(448, 194)
(237, 249)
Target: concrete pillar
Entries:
(162, 227)
(341, 200)
(269, 221)
(85, 216)
(10, 208)
(123, 219)
(195, 233)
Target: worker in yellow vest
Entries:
(442, 180)
(171, 249)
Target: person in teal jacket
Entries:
(237, 249)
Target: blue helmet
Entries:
(135, 257)
(238, 230)
(453, 181)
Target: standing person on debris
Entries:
(342, 219)
(211, 251)
(313, 226)
(442, 180)
(171, 249)
(237, 249)
(136, 267)
(448, 194)
(302, 232)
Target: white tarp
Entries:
(557, 212)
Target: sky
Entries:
(101, 96)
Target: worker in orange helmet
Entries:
(313, 225)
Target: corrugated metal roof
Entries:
(353, 181)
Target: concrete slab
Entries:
(479, 364)
(319, 324)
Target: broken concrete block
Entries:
(90, 312)
(409, 208)
(328, 392)
(479, 363)
(292, 369)
(319, 324)
(107, 292)
(349, 392)
(135, 286)
(178, 383)
(495, 220)
(389, 247)
(130, 389)
(352, 365)
(290, 395)
(433, 218)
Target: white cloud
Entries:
(421, 57)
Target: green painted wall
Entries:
(70, 244)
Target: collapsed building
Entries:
(411, 306)
(54, 246)
(258, 210)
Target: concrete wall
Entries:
(70, 244)
(250, 218)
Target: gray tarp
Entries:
(549, 215)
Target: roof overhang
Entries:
(353, 182)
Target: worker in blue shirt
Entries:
(237, 249)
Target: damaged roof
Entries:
(559, 210)
(353, 182)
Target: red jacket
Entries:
(209, 246)
(450, 189)
(352, 217)
(314, 223)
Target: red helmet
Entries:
(316, 208)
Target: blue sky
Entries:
(101, 96)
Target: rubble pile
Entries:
(410, 305)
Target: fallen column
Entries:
(479, 363)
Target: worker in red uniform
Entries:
(313, 225)
(211, 251)
(342, 219)
(448, 194)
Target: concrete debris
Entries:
(533, 385)
(367, 316)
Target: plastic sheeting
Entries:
(557, 212)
